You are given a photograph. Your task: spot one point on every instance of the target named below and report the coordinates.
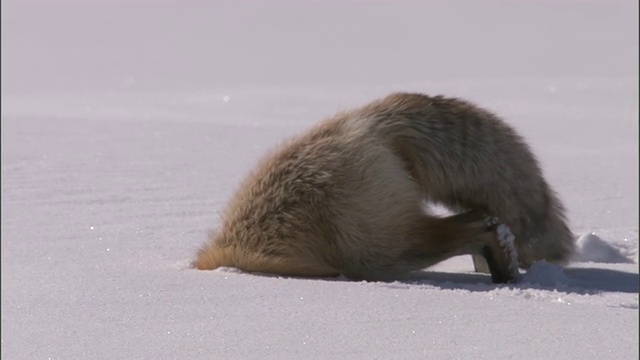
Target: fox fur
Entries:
(347, 197)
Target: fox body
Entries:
(348, 196)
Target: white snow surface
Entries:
(127, 125)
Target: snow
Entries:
(592, 248)
(127, 125)
(546, 274)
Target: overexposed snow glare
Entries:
(128, 124)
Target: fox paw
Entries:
(492, 221)
(502, 256)
(506, 240)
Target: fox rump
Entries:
(348, 196)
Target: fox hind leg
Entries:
(472, 232)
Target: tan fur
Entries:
(347, 197)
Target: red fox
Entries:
(348, 197)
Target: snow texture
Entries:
(127, 125)
(593, 248)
